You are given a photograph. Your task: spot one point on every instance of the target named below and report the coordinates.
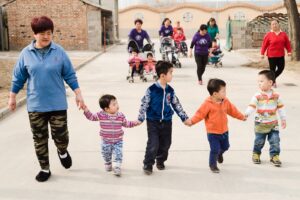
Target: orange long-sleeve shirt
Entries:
(215, 115)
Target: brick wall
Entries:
(69, 17)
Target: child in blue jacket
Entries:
(158, 104)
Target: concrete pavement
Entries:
(187, 175)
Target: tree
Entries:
(294, 26)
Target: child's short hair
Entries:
(214, 85)
(105, 100)
(162, 67)
(149, 54)
(270, 75)
(214, 40)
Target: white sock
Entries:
(46, 170)
(63, 155)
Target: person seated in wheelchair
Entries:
(136, 63)
(179, 39)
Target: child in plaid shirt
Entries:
(266, 103)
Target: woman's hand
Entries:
(190, 54)
(289, 54)
(12, 103)
(79, 99)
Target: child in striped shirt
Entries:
(111, 122)
(266, 103)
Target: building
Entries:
(192, 15)
(78, 24)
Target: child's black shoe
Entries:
(160, 166)
(148, 169)
(220, 158)
(214, 169)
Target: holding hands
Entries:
(283, 124)
(188, 122)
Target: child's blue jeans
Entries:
(273, 138)
(219, 143)
(110, 150)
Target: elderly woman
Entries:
(45, 66)
(274, 43)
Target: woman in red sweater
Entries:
(274, 43)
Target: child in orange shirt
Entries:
(214, 111)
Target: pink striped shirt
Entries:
(110, 125)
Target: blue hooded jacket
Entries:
(158, 104)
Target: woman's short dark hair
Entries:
(203, 27)
(270, 75)
(138, 21)
(214, 85)
(105, 100)
(41, 24)
(162, 67)
(163, 23)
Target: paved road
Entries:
(187, 175)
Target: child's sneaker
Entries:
(108, 167)
(256, 158)
(117, 171)
(160, 166)
(275, 161)
(220, 158)
(214, 169)
(148, 169)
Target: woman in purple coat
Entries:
(202, 43)
(138, 34)
(166, 28)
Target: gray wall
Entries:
(94, 29)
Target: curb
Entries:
(4, 112)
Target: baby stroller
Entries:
(138, 64)
(169, 52)
(181, 47)
(148, 48)
(216, 58)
